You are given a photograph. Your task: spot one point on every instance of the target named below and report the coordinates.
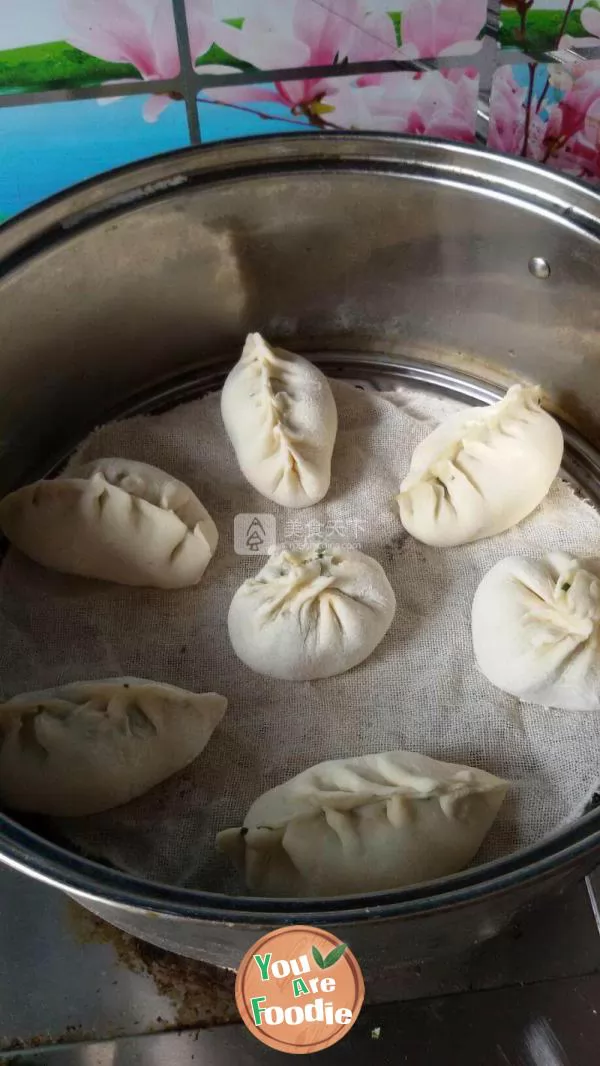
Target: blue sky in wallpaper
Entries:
(47, 147)
(521, 76)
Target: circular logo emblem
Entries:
(299, 989)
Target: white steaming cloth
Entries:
(420, 690)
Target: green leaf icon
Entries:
(316, 954)
(334, 955)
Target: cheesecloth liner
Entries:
(419, 690)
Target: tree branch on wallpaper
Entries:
(323, 124)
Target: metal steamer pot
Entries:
(384, 258)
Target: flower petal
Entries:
(263, 48)
(592, 124)
(111, 29)
(164, 41)
(327, 30)
(434, 25)
(590, 19)
(154, 106)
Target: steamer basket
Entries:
(387, 260)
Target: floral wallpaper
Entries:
(86, 85)
(431, 104)
(549, 114)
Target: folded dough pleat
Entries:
(116, 520)
(365, 824)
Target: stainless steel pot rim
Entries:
(407, 157)
(529, 185)
(34, 855)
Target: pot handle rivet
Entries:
(539, 267)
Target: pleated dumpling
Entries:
(536, 630)
(366, 824)
(481, 471)
(93, 745)
(311, 614)
(280, 415)
(116, 520)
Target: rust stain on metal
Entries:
(72, 1034)
(201, 995)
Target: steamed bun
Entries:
(366, 824)
(86, 747)
(311, 614)
(280, 415)
(536, 630)
(116, 520)
(481, 471)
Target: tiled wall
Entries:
(86, 85)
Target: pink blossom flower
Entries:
(433, 28)
(579, 152)
(297, 33)
(508, 118)
(420, 104)
(425, 104)
(310, 34)
(441, 27)
(565, 135)
(583, 93)
(142, 33)
(327, 103)
(590, 20)
(288, 33)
